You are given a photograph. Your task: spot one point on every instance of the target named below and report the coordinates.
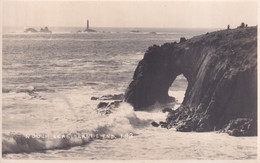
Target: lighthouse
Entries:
(87, 24)
(88, 29)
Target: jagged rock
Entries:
(155, 124)
(114, 104)
(163, 124)
(102, 105)
(221, 70)
(241, 127)
(108, 107)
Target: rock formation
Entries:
(108, 103)
(45, 30)
(221, 70)
(30, 30)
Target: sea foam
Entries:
(120, 124)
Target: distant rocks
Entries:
(45, 30)
(42, 30)
(90, 30)
(30, 30)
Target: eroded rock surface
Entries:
(221, 70)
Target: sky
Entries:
(161, 14)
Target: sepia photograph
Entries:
(129, 80)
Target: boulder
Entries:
(155, 124)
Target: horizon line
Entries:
(6, 26)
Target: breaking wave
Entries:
(120, 124)
(29, 89)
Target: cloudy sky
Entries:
(178, 14)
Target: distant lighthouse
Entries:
(87, 24)
(88, 29)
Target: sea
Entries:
(48, 80)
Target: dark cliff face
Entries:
(221, 69)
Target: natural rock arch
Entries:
(220, 68)
(178, 89)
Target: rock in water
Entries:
(45, 30)
(155, 124)
(102, 105)
(108, 107)
(167, 110)
(30, 30)
(221, 70)
(109, 97)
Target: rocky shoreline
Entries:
(221, 70)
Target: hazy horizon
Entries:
(115, 27)
(134, 14)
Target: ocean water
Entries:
(47, 112)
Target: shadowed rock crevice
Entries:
(221, 70)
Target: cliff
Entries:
(221, 70)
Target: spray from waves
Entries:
(28, 89)
(121, 124)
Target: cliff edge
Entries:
(221, 70)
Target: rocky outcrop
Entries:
(30, 30)
(90, 30)
(221, 70)
(45, 30)
(109, 103)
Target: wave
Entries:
(29, 89)
(120, 124)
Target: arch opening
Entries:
(178, 89)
